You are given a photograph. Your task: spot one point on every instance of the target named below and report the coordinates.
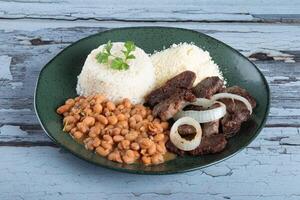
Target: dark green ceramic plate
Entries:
(57, 82)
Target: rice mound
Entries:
(133, 83)
(178, 58)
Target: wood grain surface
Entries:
(33, 32)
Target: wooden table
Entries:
(33, 167)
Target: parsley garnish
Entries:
(117, 62)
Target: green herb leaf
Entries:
(130, 46)
(102, 57)
(130, 57)
(108, 46)
(117, 63)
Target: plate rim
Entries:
(143, 172)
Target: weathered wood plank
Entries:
(269, 167)
(130, 10)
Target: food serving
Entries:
(136, 108)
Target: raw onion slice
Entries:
(204, 116)
(182, 143)
(234, 97)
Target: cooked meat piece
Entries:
(242, 92)
(232, 121)
(208, 87)
(167, 108)
(186, 129)
(170, 146)
(210, 128)
(209, 145)
(237, 112)
(184, 80)
(193, 107)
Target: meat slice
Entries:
(242, 92)
(193, 107)
(171, 147)
(184, 80)
(237, 112)
(210, 128)
(167, 108)
(210, 145)
(208, 87)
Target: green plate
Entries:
(57, 82)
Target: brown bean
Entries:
(123, 124)
(146, 160)
(95, 130)
(112, 120)
(65, 114)
(87, 111)
(125, 144)
(121, 117)
(77, 134)
(127, 103)
(164, 125)
(102, 151)
(156, 120)
(138, 118)
(106, 112)
(108, 139)
(118, 138)
(82, 127)
(132, 135)
(143, 113)
(139, 125)
(157, 158)
(145, 143)
(117, 112)
(73, 130)
(70, 102)
(144, 152)
(68, 127)
(97, 108)
(69, 120)
(120, 107)
(152, 149)
(89, 121)
(111, 106)
(89, 144)
(96, 142)
(144, 134)
(112, 156)
(62, 109)
(124, 132)
(159, 137)
(92, 135)
(127, 115)
(135, 146)
(161, 148)
(129, 157)
(99, 98)
(102, 119)
(150, 118)
(77, 117)
(106, 145)
(116, 131)
(118, 157)
(136, 154)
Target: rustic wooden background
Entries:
(32, 32)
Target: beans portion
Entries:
(121, 132)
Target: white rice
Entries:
(178, 58)
(133, 83)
